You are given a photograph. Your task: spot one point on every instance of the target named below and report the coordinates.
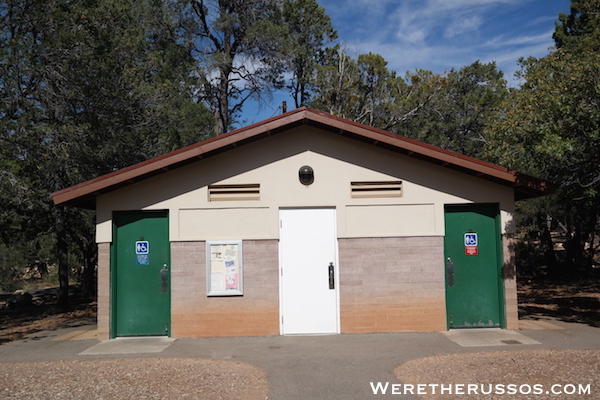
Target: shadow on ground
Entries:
(566, 302)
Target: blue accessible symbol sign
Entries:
(142, 247)
(142, 251)
(471, 244)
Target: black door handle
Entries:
(450, 272)
(331, 276)
(164, 276)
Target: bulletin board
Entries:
(224, 275)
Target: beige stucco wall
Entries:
(274, 163)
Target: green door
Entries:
(141, 290)
(472, 247)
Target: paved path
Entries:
(307, 367)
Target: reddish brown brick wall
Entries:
(103, 291)
(392, 284)
(256, 313)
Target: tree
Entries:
(457, 107)
(245, 48)
(449, 111)
(365, 91)
(551, 128)
(335, 85)
(309, 31)
(87, 88)
(237, 45)
(581, 28)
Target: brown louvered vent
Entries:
(376, 189)
(249, 191)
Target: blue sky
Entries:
(438, 35)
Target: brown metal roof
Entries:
(84, 194)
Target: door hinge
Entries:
(282, 320)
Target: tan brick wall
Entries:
(103, 291)
(194, 314)
(392, 284)
(386, 285)
(510, 282)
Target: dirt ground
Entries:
(566, 302)
(43, 314)
(130, 378)
(152, 378)
(515, 375)
(532, 372)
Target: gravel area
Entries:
(153, 378)
(534, 367)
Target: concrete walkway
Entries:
(307, 367)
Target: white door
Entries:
(308, 249)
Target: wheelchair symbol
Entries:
(142, 247)
(470, 239)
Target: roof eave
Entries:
(83, 195)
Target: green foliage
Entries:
(551, 128)
(91, 86)
(309, 31)
(554, 118)
(361, 89)
(449, 111)
(236, 46)
(580, 30)
(87, 87)
(243, 49)
(31, 258)
(10, 260)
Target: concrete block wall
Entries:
(386, 285)
(194, 314)
(104, 291)
(392, 284)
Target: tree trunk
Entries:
(63, 259)
(90, 258)
(547, 244)
(223, 119)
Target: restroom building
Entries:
(305, 223)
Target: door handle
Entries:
(450, 272)
(331, 276)
(164, 277)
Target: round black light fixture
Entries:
(306, 175)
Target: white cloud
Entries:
(503, 41)
(413, 36)
(429, 18)
(543, 20)
(443, 34)
(461, 4)
(463, 25)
